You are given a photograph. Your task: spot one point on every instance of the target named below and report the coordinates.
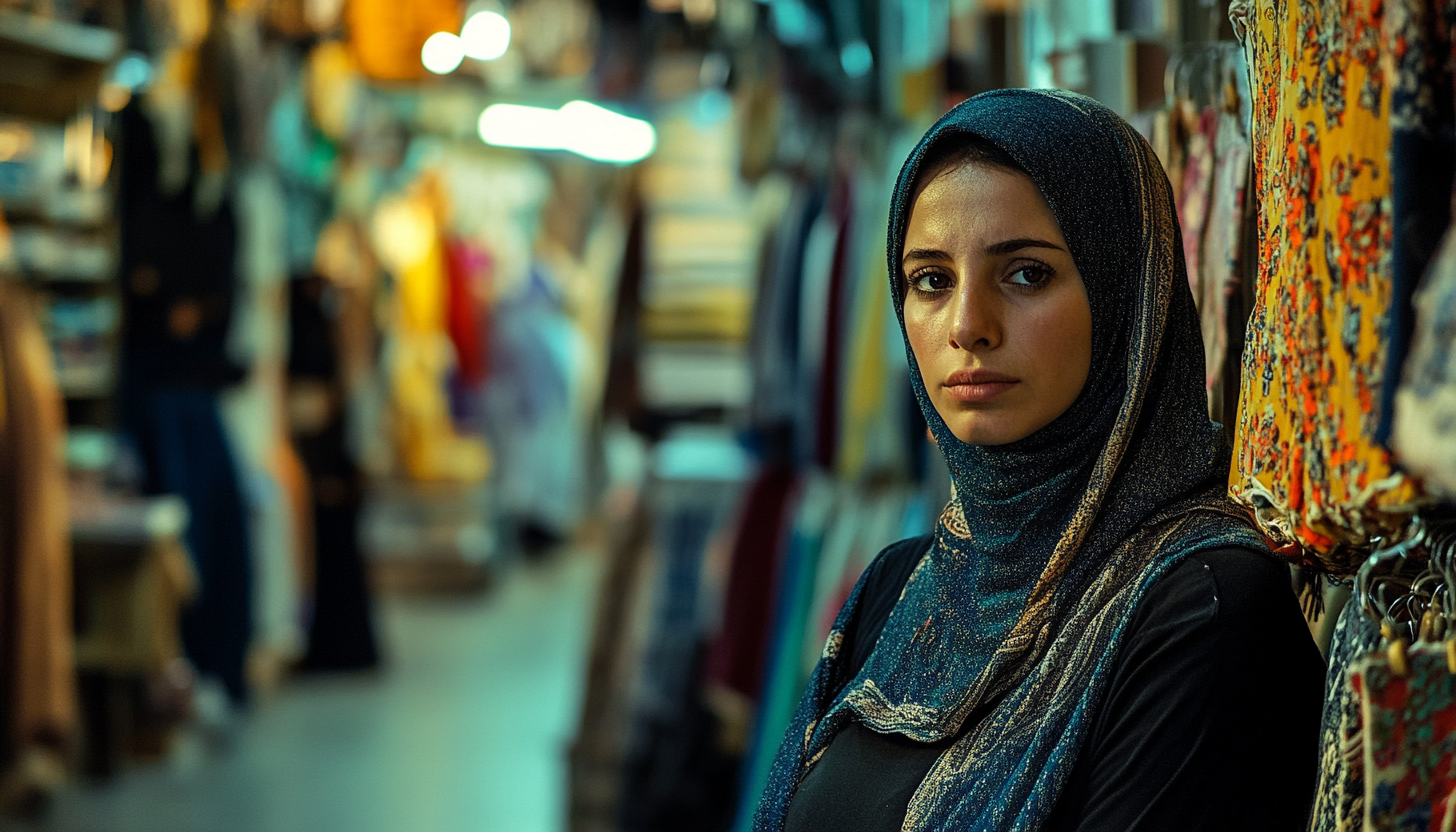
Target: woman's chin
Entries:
(985, 429)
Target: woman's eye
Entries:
(1034, 276)
(931, 281)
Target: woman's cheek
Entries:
(1062, 337)
(920, 326)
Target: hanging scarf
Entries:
(1050, 542)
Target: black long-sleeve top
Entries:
(1210, 722)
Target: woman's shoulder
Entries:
(1231, 603)
(891, 568)
(1211, 717)
(884, 579)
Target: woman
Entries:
(1093, 638)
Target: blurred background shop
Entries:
(458, 416)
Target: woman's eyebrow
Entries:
(1008, 246)
(925, 254)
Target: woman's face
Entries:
(995, 308)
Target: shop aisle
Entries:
(466, 730)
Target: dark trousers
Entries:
(179, 435)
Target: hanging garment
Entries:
(837, 556)
(407, 233)
(675, 775)
(1425, 408)
(341, 631)
(253, 414)
(816, 316)
(37, 665)
(1193, 201)
(1339, 804)
(872, 412)
(307, 165)
(1050, 542)
(532, 405)
(1182, 119)
(1306, 459)
(776, 340)
(783, 675)
(1221, 249)
(1409, 738)
(461, 314)
(736, 659)
(1425, 403)
(870, 522)
(1421, 56)
(827, 417)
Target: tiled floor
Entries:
(466, 730)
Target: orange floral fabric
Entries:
(1305, 460)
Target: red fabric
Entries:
(461, 320)
(736, 658)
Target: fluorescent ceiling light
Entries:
(581, 127)
(486, 35)
(442, 53)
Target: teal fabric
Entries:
(1049, 543)
(785, 676)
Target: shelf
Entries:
(103, 518)
(49, 69)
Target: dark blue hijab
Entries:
(1050, 542)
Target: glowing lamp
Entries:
(442, 53)
(486, 35)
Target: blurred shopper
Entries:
(1088, 639)
(341, 628)
(178, 248)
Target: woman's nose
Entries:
(976, 323)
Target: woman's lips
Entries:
(974, 386)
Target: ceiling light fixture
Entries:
(580, 127)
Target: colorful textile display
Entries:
(1306, 457)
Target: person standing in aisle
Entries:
(1094, 637)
